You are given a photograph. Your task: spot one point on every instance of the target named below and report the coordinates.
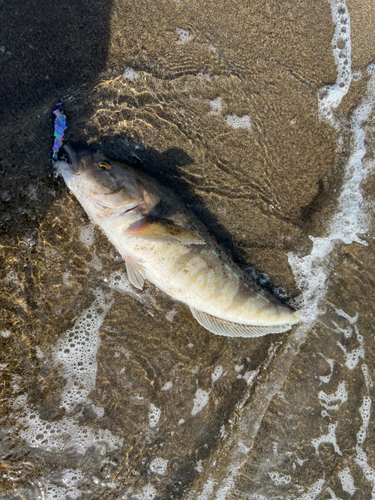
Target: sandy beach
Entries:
(221, 102)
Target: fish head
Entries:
(105, 188)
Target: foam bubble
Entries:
(130, 74)
(353, 357)
(279, 479)
(148, 493)
(86, 234)
(217, 373)
(361, 458)
(167, 386)
(367, 376)
(349, 222)
(364, 411)
(184, 36)
(62, 434)
(159, 466)
(324, 379)
(199, 466)
(313, 491)
(215, 106)
(5, 334)
(249, 376)
(153, 416)
(235, 121)
(330, 438)
(200, 401)
(347, 481)
(76, 352)
(331, 95)
(341, 395)
(208, 489)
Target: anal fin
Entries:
(136, 272)
(228, 329)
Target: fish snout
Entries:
(72, 156)
(70, 164)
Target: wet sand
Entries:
(283, 416)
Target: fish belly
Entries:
(200, 279)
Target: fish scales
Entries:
(162, 242)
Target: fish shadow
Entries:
(167, 168)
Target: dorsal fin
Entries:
(228, 329)
(136, 272)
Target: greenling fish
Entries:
(163, 243)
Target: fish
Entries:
(163, 242)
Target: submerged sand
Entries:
(218, 100)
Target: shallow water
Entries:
(251, 114)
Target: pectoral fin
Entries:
(229, 329)
(163, 230)
(136, 272)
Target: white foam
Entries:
(200, 401)
(54, 492)
(167, 386)
(368, 379)
(329, 438)
(347, 481)
(199, 466)
(313, 491)
(340, 396)
(5, 334)
(249, 376)
(217, 373)
(235, 121)
(148, 493)
(208, 489)
(86, 234)
(331, 96)
(361, 458)
(184, 36)
(75, 352)
(324, 379)
(130, 74)
(279, 479)
(153, 416)
(348, 224)
(60, 435)
(364, 411)
(353, 357)
(159, 466)
(215, 106)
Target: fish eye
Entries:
(104, 166)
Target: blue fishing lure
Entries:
(59, 128)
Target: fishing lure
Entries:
(59, 128)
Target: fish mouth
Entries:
(72, 158)
(131, 209)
